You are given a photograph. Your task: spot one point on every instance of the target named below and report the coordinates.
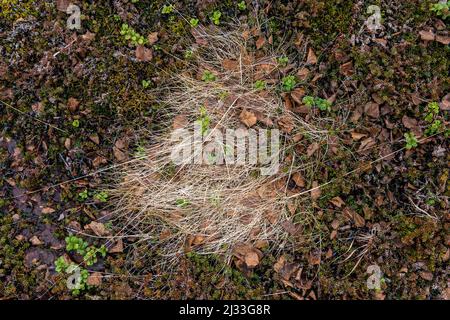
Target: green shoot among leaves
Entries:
(260, 85)
(322, 104)
(194, 22)
(411, 140)
(208, 76)
(288, 83)
(167, 9)
(242, 5)
(215, 17)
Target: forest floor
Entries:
(73, 102)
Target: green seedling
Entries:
(260, 85)
(283, 61)
(288, 83)
(215, 17)
(75, 123)
(411, 140)
(145, 84)
(167, 9)
(193, 22)
(242, 5)
(208, 76)
(442, 9)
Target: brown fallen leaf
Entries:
(302, 73)
(445, 103)
(117, 247)
(372, 109)
(409, 123)
(98, 228)
(94, 138)
(152, 38)
(94, 279)
(356, 136)
(38, 107)
(47, 210)
(298, 179)
(337, 201)
(62, 5)
(180, 121)
(35, 241)
(427, 35)
(230, 65)
(286, 124)
(248, 118)
(443, 39)
(347, 69)
(353, 215)
(312, 148)
(260, 42)
(73, 104)
(315, 192)
(298, 94)
(88, 36)
(143, 54)
(312, 58)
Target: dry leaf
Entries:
(445, 103)
(303, 73)
(117, 248)
(337, 201)
(98, 228)
(94, 279)
(427, 35)
(286, 124)
(372, 109)
(152, 38)
(312, 58)
(298, 179)
(312, 148)
(73, 104)
(180, 121)
(230, 65)
(347, 69)
(248, 118)
(47, 210)
(297, 95)
(35, 241)
(443, 39)
(88, 36)
(356, 136)
(315, 192)
(409, 123)
(143, 54)
(260, 42)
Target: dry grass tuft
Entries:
(217, 208)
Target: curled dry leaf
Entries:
(372, 109)
(298, 179)
(298, 94)
(312, 58)
(445, 103)
(260, 42)
(312, 148)
(248, 118)
(337, 201)
(443, 39)
(117, 247)
(356, 136)
(427, 35)
(98, 228)
(73, 104)
(286, 124)
(347, 69)
(94, 279)
(143, 54)
(152, 38)
(409, 123)
(230, 64)
(248, 254)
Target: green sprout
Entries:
(203, 120)
(193, 22)
(145, 84)
(75, 123)
(215, 18)
(61, 265)
(101, 196)
(167, 9)
(208, 76)
(76, 244)
(441, 9)
(260, 85)
(188, 54)
(411, 140)
(83, 195)
(140, 152)
(283, 61)
(288, 83)
(242, 5)
(433, 128)
(322, 104)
